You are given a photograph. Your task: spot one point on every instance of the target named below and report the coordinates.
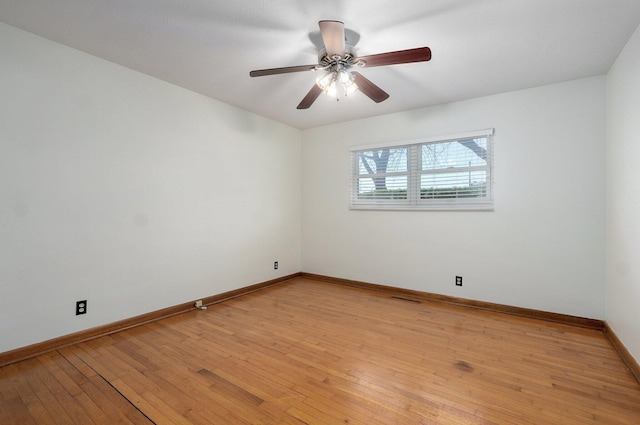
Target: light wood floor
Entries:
(309, 352)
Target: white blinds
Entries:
(452, 172)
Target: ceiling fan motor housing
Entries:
(329, 63)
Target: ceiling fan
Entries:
(336, 60)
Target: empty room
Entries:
(302, 212)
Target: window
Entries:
(451, 172)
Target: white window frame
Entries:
(414, 173)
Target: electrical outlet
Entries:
(275, 265)
(81, 307)
(458, 280)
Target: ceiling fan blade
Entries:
(333, 37)
(374, 92)
(284, 70)
(420, 54)
(310, 97)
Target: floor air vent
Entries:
(406, 299)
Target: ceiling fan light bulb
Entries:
(348, 89)
(325, 81)
(332, 90)
(345, 77)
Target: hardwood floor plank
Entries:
(55, 392)
(18, 412)
(45, 386)
(309, 352)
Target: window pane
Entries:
(454, 154)
(469, 184)
(390, 187)
(441, 173)
(382, 161)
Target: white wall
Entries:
(109, 191)
(623, 196)
(129, 192)
(542, 247)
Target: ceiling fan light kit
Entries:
(337, 79)
(337, 58)
(334, 82)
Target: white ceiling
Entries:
(480, 47)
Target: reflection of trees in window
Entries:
(383, 161)
(379, 160)
(474, 147)
(450, 155)
(394, 160)
(425, 175)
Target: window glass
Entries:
(451, 173)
